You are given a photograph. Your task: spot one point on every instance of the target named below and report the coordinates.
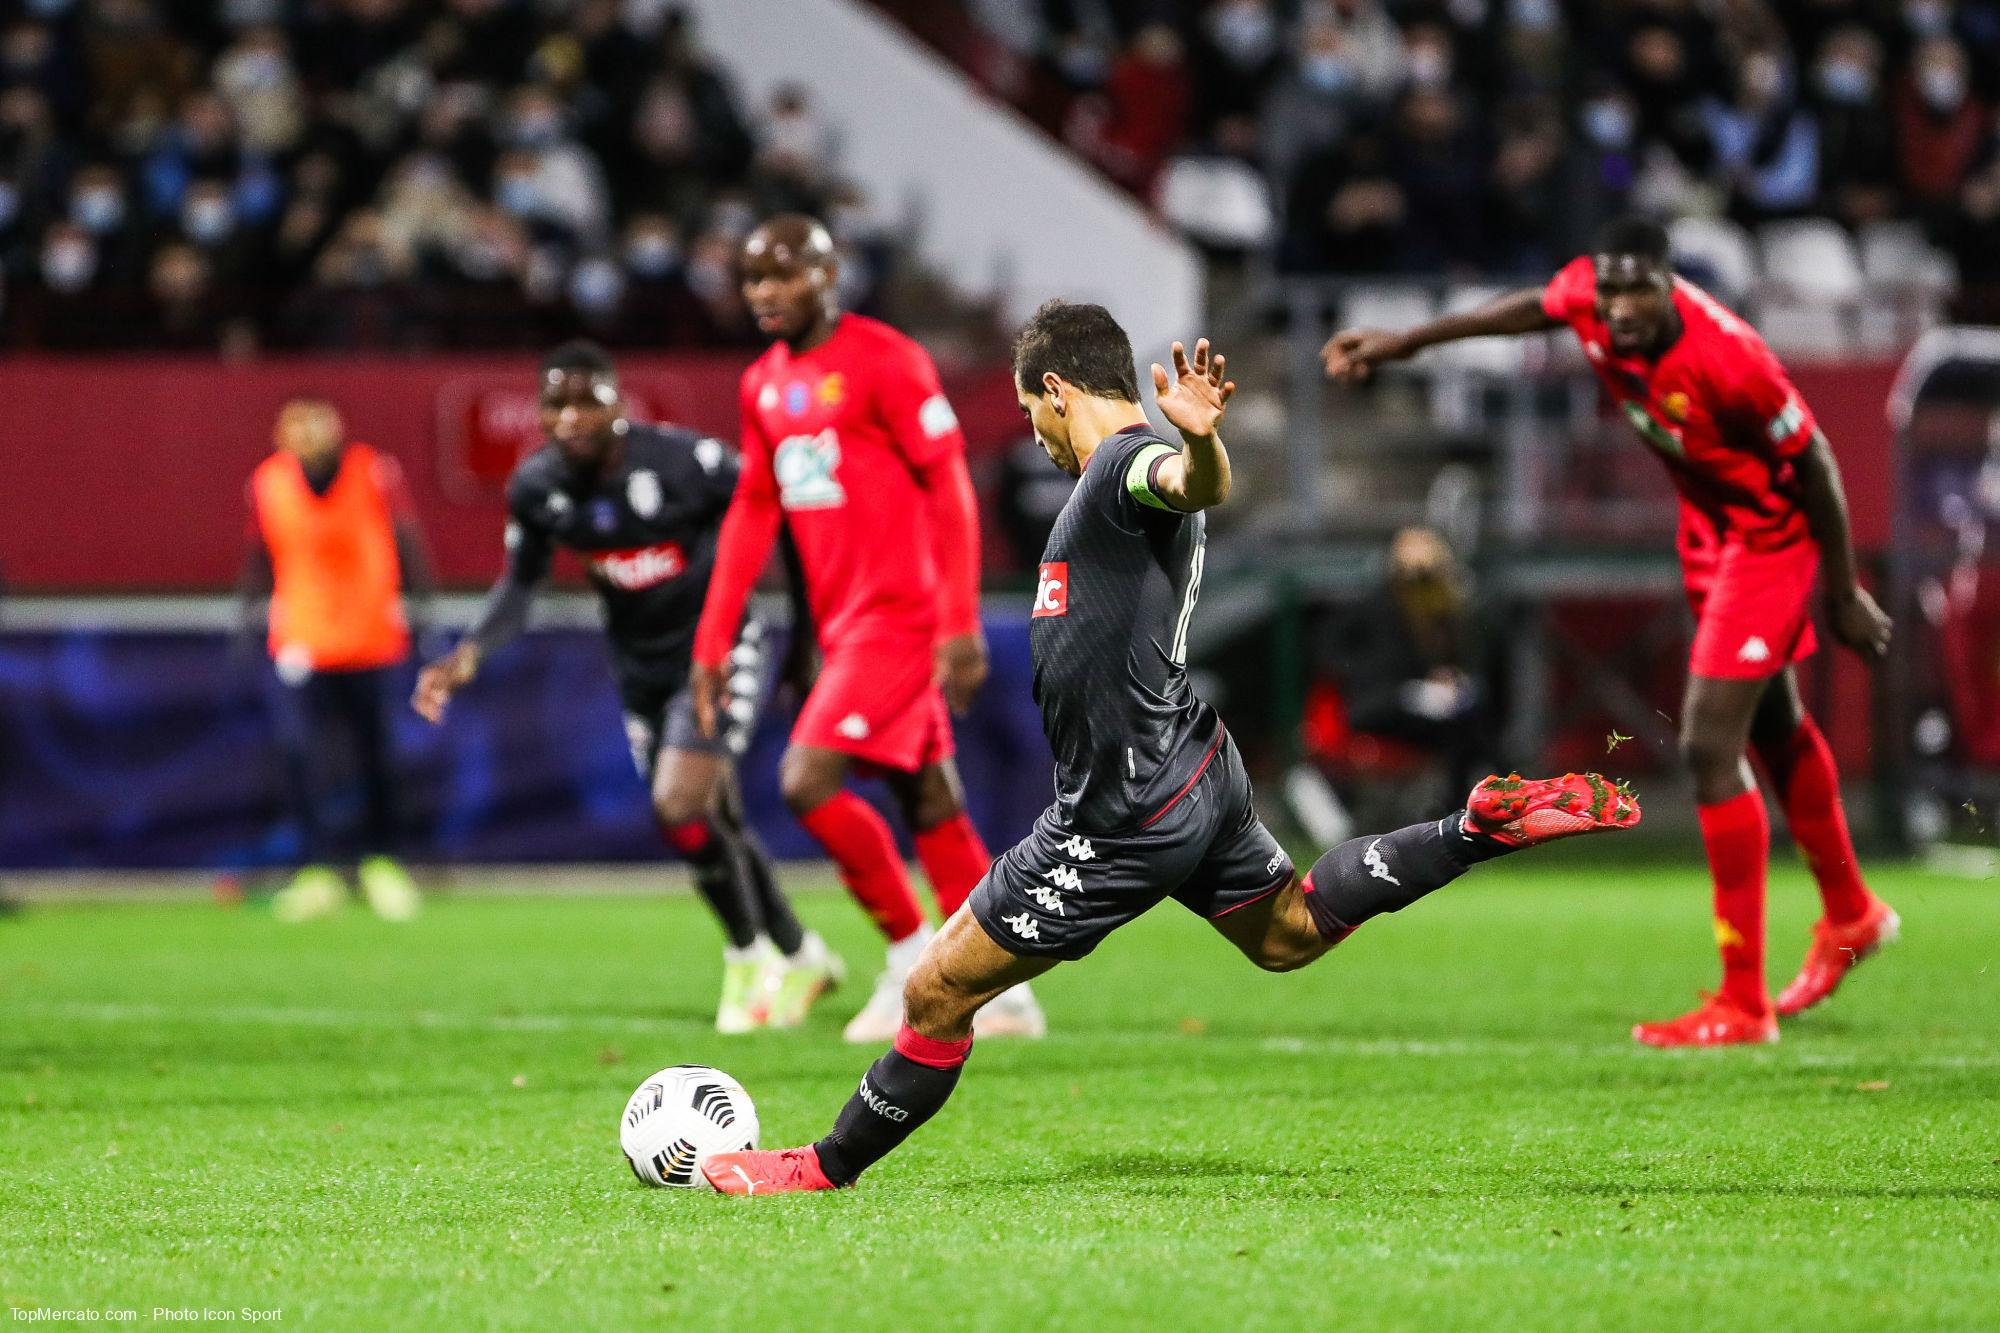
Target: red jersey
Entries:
(852, 441)
(1717, 408)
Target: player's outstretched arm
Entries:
(504, 616)
(1198, 476)
(1857, 621)
(1352, 354)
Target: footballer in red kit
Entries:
(1762, 517)
(851, 446)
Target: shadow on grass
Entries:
(1968, 1193)
(1147, 1172)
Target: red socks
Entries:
(953, 858)
(1803, 773)
(858, 840)
(1737, 835)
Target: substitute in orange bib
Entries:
(335, 545)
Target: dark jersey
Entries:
(1118, 584)
(646, 531)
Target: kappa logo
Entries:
(804, 466)
(1078, 847)
(1064, 877)
(1052, 589)
(641, 567)
(1050, 900)
(1271, 866)
(881, 1105)
(854, 727)
(1377, 866)
(1022, 925)
(1754, 649)
(642, 492)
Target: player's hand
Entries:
(961, 669)
(706, 683)
(1862, 625)
(443, 678)
(1194, 401)
(1352, 354)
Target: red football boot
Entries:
(1524, 811)
(1835, 951)
(1720, 1021)
(789, 1171)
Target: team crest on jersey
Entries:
(1675, 405)
(832, 390)
(603, 515)
(805, 467)
(797, 399)
(708, 454)
(1052, 589)
(767, 398)
(558, 505)
(642, 492)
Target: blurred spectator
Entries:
(1857, 147)
(1146, 107)
(1763, 145)
(1217, 194)
(1940, 124)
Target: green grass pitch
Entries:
(1444, 1125)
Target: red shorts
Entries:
(1752, 609)
(879, 702)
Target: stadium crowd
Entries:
(388, 173)
(1492, 136)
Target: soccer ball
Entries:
(681, 1115)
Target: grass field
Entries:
(1444, 1125)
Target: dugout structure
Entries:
(1941, 697)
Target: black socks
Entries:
(1386, 872)
(900, 1091)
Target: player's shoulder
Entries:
(882, 341)
(536, 475)
(671, 445)
(1111, 465)
(1728, 346)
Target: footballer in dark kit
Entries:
(642, 506)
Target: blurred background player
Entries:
(334, 544)
(1762, 511)
(849, 443)
(642, 504)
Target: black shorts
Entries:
(659, 705)
(1058, 893)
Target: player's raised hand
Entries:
(705, 680)
(961, 669)
(1200, 390)
(1862, 625)
(1352, 354)
(441, 679)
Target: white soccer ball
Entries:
(681, 1115)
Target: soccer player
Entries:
(1151, 797)
(1761, 512)
(335, 544)
(642, 505)
(850, 444)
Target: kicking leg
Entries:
(961, 970)
(1856, 923)
(1736, 832)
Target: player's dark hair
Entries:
(1631, 235)
(1083, 344)
(579, 355)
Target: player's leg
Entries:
(1798, 762)
(314, 889)
(811, 778)
(954, 857)
(1736, 834)
(963, 968)
(806, 968)
(1365, 877)
(367, 697)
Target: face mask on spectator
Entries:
(252, 13)
(98, 209)
(1429, 67)
(711, 280)
(1763, 79)
(1942, 86)
(208, 220)
(68, 264)
(518, 195)
(1325, 71)
(1532, 14)
(596, 286)
(1246, 33)
(1609, 125)
(1927, 18)
(652, 255)
(261, 70)
(535, 129)
(48, 9)
(1846, 81)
